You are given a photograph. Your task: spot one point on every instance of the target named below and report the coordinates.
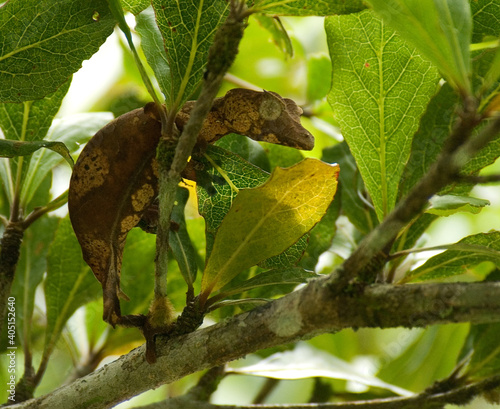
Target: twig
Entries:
(9, 255)
(427, 399)
(221, 55)
(366, 261)
(301, 314)
(475, 180)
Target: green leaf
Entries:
(359, 212)
(94, 324)
(491, 79)
(447, 205)
(321, 236)
(243, 303)
(135, 6)
(188, 29)
(180, 242)
(486, 19)
(11, 149)
(435, 126)
(485, 357)
(441, 31)
(276, 277)
(45, 41)
(154, 49)
(73, 131)
(459, 257)
(137, 275)
(27, 121)
(116, 9)
(416, 358)
(30, 269)
(215, 186)
(282, 156)
(264, 221)
(319, 76)
(380, 89)
(309, 7)
(278, 33)
(30, 121)
(252, 151)
(69, 284)
(288, 258)
(304, 361)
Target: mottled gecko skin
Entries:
(262, 116)
(115, 180)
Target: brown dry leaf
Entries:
(113, 182)
(262, 116)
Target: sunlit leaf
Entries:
(264, 221)
(46, 41)
(381, 86)
(321, 236)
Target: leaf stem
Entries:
(403, 253)
(40, 211)
(222, 173)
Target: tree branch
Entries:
(221, 55)
(426, 399)
(303, 314)
(10, 244)
(370, 255)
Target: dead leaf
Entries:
(113, 182)
(262, 116)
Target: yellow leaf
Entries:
(265, 221)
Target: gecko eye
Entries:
(270, 108)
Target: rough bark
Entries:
(300, 315)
